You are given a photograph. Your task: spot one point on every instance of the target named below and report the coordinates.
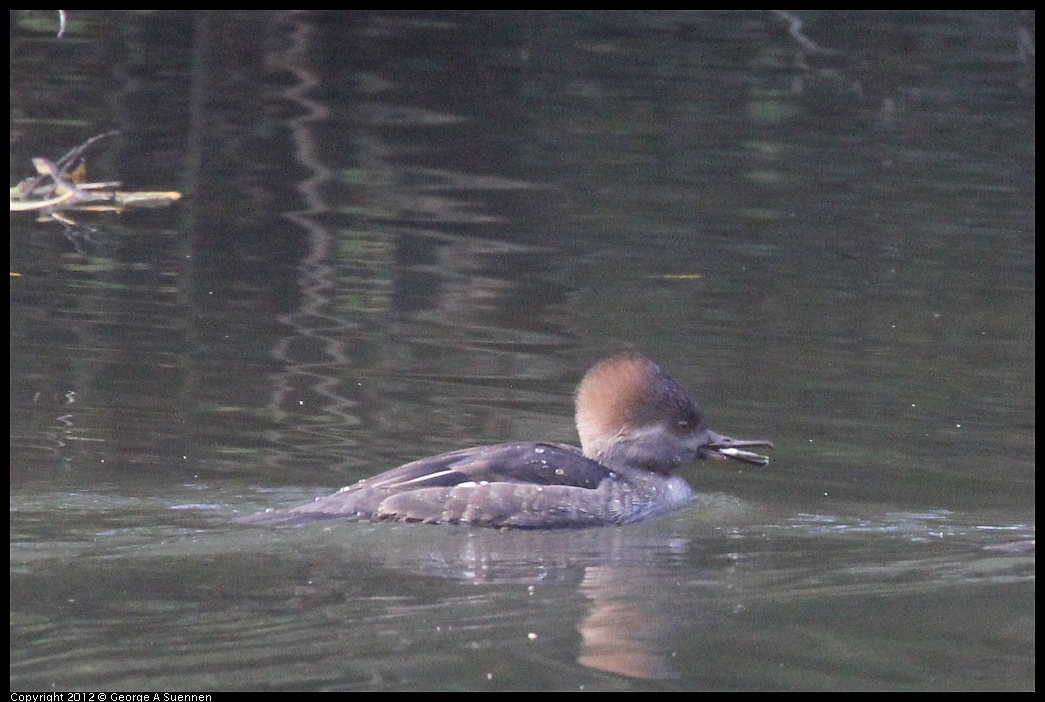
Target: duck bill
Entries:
(719, 446)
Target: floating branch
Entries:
(60, 187)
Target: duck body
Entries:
(520, 485)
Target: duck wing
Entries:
(498, 485)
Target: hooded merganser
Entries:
(636, 424)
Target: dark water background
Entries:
(410, 232)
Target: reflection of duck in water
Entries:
(636, 424)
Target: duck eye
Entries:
(682, 425)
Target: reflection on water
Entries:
(333, 605)
(620, 634)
